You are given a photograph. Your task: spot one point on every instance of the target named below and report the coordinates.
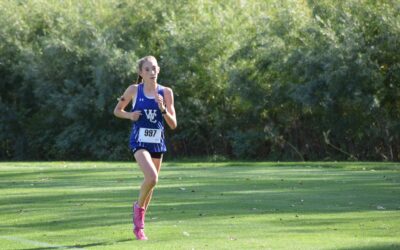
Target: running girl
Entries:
(151, 103)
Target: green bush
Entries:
(278, 80)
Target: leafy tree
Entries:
(277, 80)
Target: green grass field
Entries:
(203, 205)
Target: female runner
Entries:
(151, 104)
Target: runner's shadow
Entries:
(81, 246)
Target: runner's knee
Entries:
(151, 179)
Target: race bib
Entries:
(149, 135)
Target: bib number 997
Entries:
(150, 132)
(149, 135)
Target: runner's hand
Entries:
(160, 102)
(135, 115)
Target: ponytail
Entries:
(139, 79)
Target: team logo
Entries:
(151, 115)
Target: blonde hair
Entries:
(140, 63)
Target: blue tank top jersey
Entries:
(148, 131)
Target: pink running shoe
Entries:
(139, 233)
(138, 222)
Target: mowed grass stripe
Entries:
(203, 205)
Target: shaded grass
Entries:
(203, 205)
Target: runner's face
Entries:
(150, 71)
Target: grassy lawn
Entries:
(202, 205)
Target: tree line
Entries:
(271, 80)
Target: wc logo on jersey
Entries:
(151, 114)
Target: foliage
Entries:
(278, 80)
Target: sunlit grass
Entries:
(202, 205)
